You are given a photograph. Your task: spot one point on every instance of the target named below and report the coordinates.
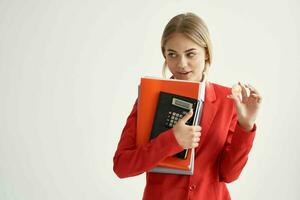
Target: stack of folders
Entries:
(161, 103)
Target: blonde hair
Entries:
(194, 28)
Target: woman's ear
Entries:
(163, 52)
(206, 54)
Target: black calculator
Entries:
(171, 108)
(173, 117)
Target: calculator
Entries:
(173, 118)
(170, 109)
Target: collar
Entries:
(210, 94)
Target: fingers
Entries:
(194, 145)
(244, 91)
(196, 137)
(193, 137)
(186, 117)
(194, 131)
(236, 98)
(236, 91)
(241, 91)
(198, 128)
(195, 141)
(236, 94)
(254, 93)
(187, 136)
(252, 89)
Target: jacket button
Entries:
(192, 187)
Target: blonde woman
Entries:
(223, 140)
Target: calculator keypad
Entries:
(173, 118)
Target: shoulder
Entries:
(218, 94)
(220, 90)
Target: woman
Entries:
(222, 142)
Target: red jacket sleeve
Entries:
(235, 153)
(130, 159)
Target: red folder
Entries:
(149, 89)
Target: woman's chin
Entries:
(191, 78)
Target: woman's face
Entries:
(184, 58)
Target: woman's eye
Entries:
(191, 54)
(171, 55)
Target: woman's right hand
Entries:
(187, 136)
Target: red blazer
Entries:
(220, 157)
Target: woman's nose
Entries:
(182, 62)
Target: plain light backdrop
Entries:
(69, 72)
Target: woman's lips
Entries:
(183, 73)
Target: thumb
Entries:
(186, 117)
(235, 97)
(237, 100)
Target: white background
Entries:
(69, 72)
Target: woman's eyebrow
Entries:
(171, 50)
(188, 50)
(192, 49)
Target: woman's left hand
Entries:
(247, 105)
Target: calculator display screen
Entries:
(182, 104)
